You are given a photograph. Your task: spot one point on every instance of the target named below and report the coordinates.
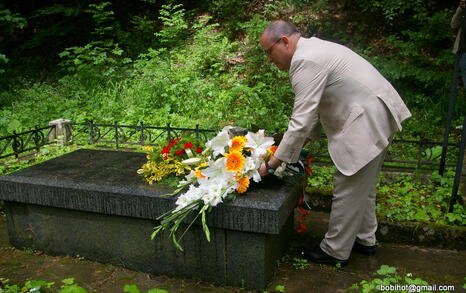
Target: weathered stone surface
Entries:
(93, 204)
(106, 182)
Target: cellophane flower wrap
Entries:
(222, 171)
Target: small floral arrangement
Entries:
(169, 159)
(219, 173)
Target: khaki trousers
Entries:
(353, 215)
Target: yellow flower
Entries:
(199, 174)
(243, 184)
(148, 148)
(235, 161)
(237, 143)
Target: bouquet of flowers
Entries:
(168, 160)
(218, 173)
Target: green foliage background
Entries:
(187, 63)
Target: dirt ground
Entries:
(440, 267)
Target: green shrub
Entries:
(386, 276)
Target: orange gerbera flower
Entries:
(243, 184)
(235, 161)
(237, 143)
(272, 149)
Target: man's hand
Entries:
(263, 170)
(273, 162)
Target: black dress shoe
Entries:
(367, 250)
(319, 256)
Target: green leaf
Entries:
(386, 270)
(131, 289)
(72, 289)
(68, 281)
(155, 290)
(157, 230)
(280, 288)
(38, 284)
(175, 242)
(204, 223)
(14, 125)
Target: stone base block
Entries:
(233, 258)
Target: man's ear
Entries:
(286, 40)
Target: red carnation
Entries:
(165, 150)
(198, 150)
(179, 152)
(188, 145)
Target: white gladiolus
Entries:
(217, 169)
(212, 193)
(251, 167)
(191, 161)
(218, 143)
(259, 143)
(193, 194)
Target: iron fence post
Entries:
(116, 133)
(459, 168)
(16, 144)
(92, 132)
(451, 103)
(169, 136)
(141, 137)
(419, 154)
(36, 138)
(198, 137)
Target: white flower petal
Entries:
(191, 161)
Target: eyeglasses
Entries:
(269, 50)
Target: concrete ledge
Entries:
(93, 204)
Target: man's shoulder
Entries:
(312, 50)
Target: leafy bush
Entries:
(408, 200)
(404, 199)
(174, 29)
(387, 276)
(193, 65)
(68, 286)
(321, 178)
(100, 58)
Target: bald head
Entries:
(279, 41)
(279, 28)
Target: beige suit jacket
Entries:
(357, 107)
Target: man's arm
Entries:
(309, 81)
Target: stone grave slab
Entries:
(92, 203)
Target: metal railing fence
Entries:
(400, 153)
